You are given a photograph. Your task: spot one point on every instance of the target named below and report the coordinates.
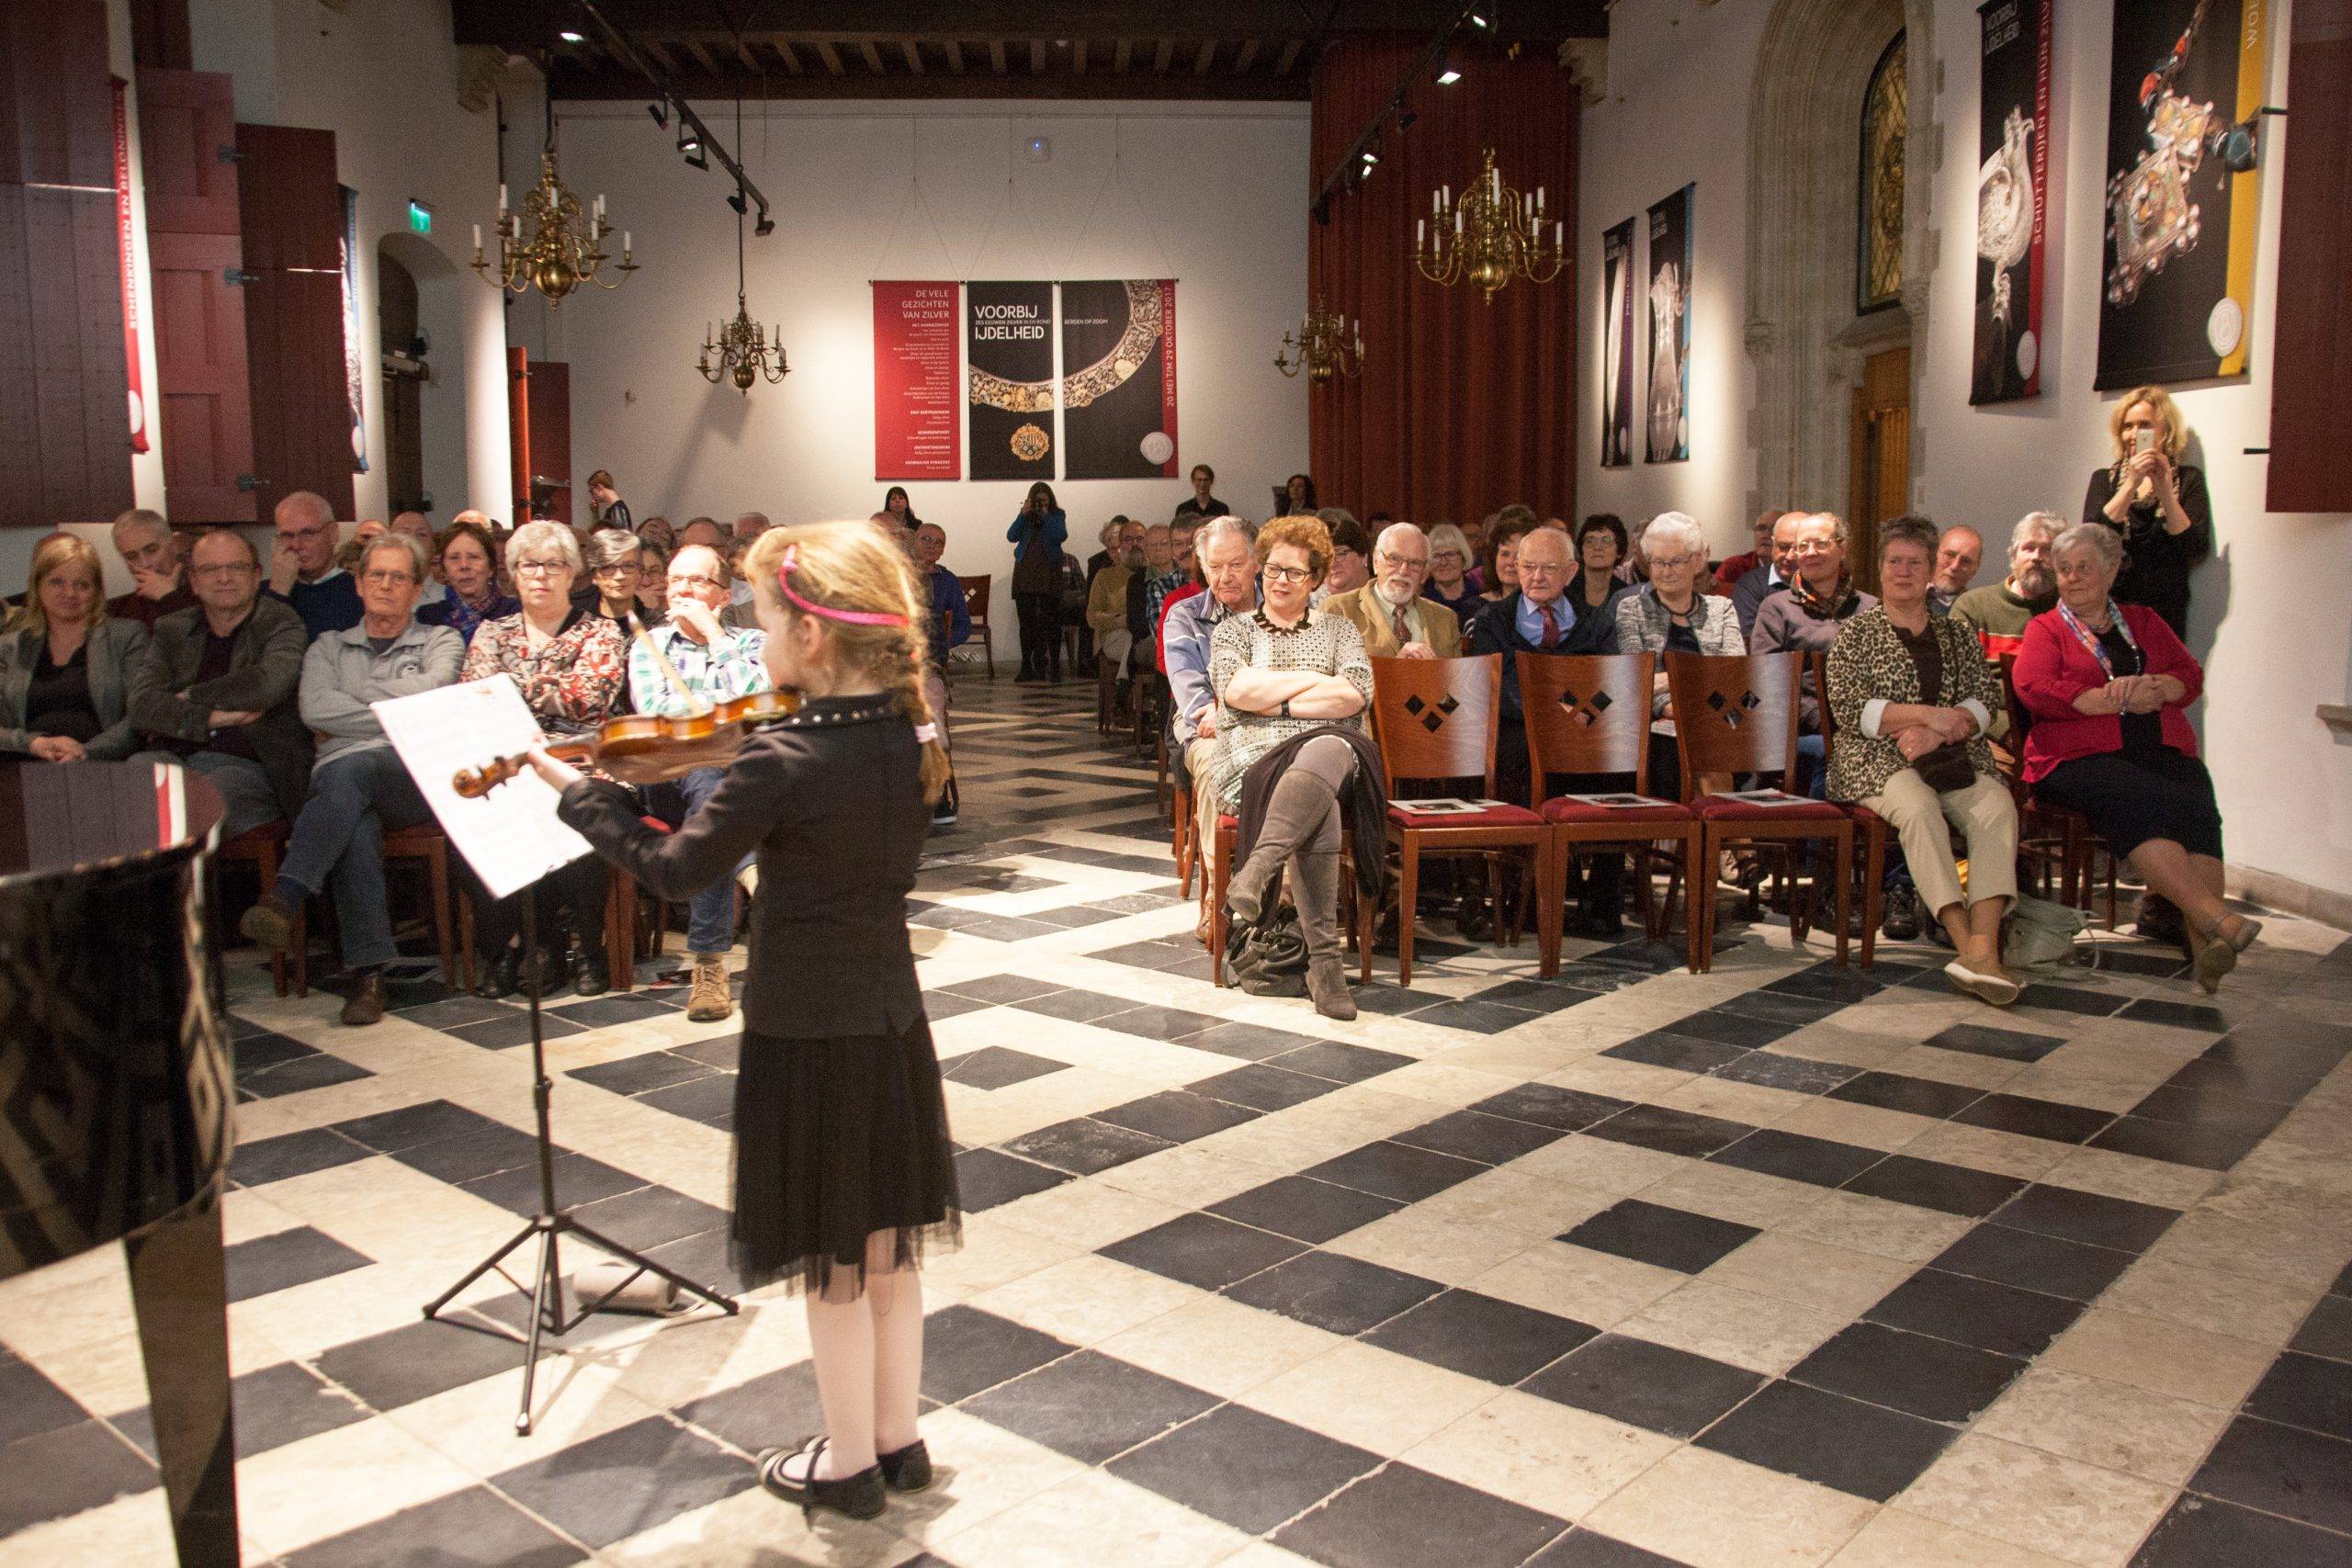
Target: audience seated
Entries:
(2109, 687)
(1285, 679)
(303, 570)
(571, 669)
(159, 582)
(712, 665)
(216, 689)
(67, 670)
(657, 533)
(1958, 553)
(1454, 581)
(1669, 615)
(1351, 552)
(1999, 611)
(606, 507)
(1389, 611)
(1180, 541)
(1805, 618)
(1298, 498)
(1500, 570)
(358, 788)
(614, 559)
(1106, 596)
(1760, 582)
(1914, 699)
(653, 584)
(470, 570)
(1228, 552)
(1635, 570)
(1200, 506)
(1734, 568)
(1601, 544)
(1150, 587)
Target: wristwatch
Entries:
(1285, 708)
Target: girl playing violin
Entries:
(843, 1173)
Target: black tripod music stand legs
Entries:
(553, 1221)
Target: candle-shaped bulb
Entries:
(1539, 199)
(477, 238)
(1558, 241)
(1420, 235)
(1457, 222)
(624, 247)
(501, 195)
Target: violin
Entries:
(642, 749)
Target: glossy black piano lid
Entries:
(115, 1080)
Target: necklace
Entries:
(1081, 388)
(1268, 623)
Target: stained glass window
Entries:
(1878, 271)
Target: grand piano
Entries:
(116, 1089)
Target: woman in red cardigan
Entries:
(2107, 685)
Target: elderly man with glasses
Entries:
(1389, 611)
(1228, 555)
(303, 570)
(359, 787)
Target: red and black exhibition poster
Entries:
(916, 431)
(2012, 199)
(1119, 379)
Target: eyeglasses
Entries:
(1541, 568)
(231, 569)
(618, 569)
(540, 568)
(388, 578)
(710, 583)
(1395, 560)
(1673, 563)
(1288, 573)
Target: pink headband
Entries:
(854, 617)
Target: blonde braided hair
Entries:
(854, 566)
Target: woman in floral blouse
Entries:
(573, 668)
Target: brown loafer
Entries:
(366, 1002)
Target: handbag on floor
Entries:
(1270, 960)
(2038, 936)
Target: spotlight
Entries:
(568, 36)
(766, 226)
(1448, 74)
(660, 113)
(736, 201)
(1370, 156)
(1478, 21)
(698, 159)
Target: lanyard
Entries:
(2098, 649)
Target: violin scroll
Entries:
(472, 784)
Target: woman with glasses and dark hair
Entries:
(1601, 543)
(616, 563)
(1038, 532)
(469, 560)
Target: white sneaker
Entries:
(748, 879)
(1997, 989)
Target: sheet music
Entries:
(510, 835)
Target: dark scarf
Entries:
(1829, 608)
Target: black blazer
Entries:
(832, 802)
(1495, 629)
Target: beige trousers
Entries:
(1200, 757)
(1986, 817)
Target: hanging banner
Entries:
(1617, 347)
(353, 383)
(2012, 196)
(916, 433)
(129, 268)
(1119, 379)
(1669, 292)
(1009, 346)
(2183, 96)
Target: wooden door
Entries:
(290, 215)
(549, 392)
(518, 425)
(1880, 476)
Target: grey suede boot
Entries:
(1315, 883)
(1299, 802)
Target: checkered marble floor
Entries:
(1782, 1265)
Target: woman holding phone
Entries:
(2156, 501)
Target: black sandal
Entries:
(860, 1496)
(907, 1468)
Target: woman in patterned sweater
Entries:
(571, 666)
(1278, 674)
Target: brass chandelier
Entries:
(1323, 347)
(562, 250)
(1492, 234)
(744, 352)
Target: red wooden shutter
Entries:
(291, 218)
(549, 393)
(518, 423)
(187, 138)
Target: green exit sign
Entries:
(420, 218)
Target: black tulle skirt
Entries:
(838, 1141)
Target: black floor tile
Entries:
(292, 1154)
(997, 1067)
(1244, 1469)
(1082, 1145)
(1262, 1087)
(598, 1013)
(967, 1350)
(2008, 1044)
(1829, 1440)
(1663, 1048)
(2079, 999)
(1827, 983)
(1339, 1061)
(635, 1074)
(1794, 1011)
(1982, 1313)
(1402, 1518)
(2091, 1218)
(263, 1049)
(1821, 1161)
(774, 1408)
(505, 1033)
(2328, 1330)
(2290, 1031)
(578, 1181)
(1001, 988)
(985, 1177)
(400, 1365)
(2305, 1391)
(650, 1216)
(1343, 1295)
(1203, 1250)
(65, 1472)
(709, 1100)
(626, 1481)
(1670, 1132)
(1731, 1027)
(1394, 1170)
(315, 1070)
(1671, 1238)
(2032, 1118)
(1177, 1115)
(2198, 1107)
(1090, 1405)
(30, 1404)
(1547, 1105)
(290, 1258)
(1473, 1134)
(473, 1529)
(2034, 1262)
(1249, 1042)
(2281, 1075)
(1387, 1001)
(1481, 1337)
(1307, 1210)
(389, 1132)
(2208, 1148)
(1158, 1023)
(938, 1006)
(721, 1051)
(1588, 1549)
(1476, 1017)
(2201, 1532)
(1534, 996)
(1930, 1184)
(2177, 1015)
(1077, 1007)
(1898, 1092)
(2280, 1470)
(473, 1155)
(1911, 1373)
(1650, 1386)
(1774, 1069)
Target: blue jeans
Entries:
(1812, 768)
(710, 914)
(337, 844)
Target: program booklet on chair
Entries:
(1770, 797)
(1447, 806)
(1621, 802)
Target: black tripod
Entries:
(553, 1221)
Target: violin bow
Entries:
(669, 671)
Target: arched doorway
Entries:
(1833, 347)
(421, 348)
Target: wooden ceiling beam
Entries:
(618, 85)
(996, 55)
(956, 57)
(1289, 56)
(830, 55)
(914, 52)
(1208, 54)
(1160, 61)
(534, 24)
(701, 52)
(1242, 61)
(873, 57)
(1077, 57)
(1119, 59)
(1036, 57)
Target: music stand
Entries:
(553, 1221)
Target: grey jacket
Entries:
(115, 648)
(265, 666)
(341, 675)
(1643, 623)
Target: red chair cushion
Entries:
(1562, 809)
(1403, 813)
(1226, 820)
(1723, 808)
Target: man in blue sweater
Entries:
(302, 572)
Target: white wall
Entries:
(2272, 612)
(1212, 195)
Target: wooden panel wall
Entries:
(64, 394)
(2310, 377)
(290, 211)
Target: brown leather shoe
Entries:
(366, 1002)
(269, 923)
(708, 1000)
